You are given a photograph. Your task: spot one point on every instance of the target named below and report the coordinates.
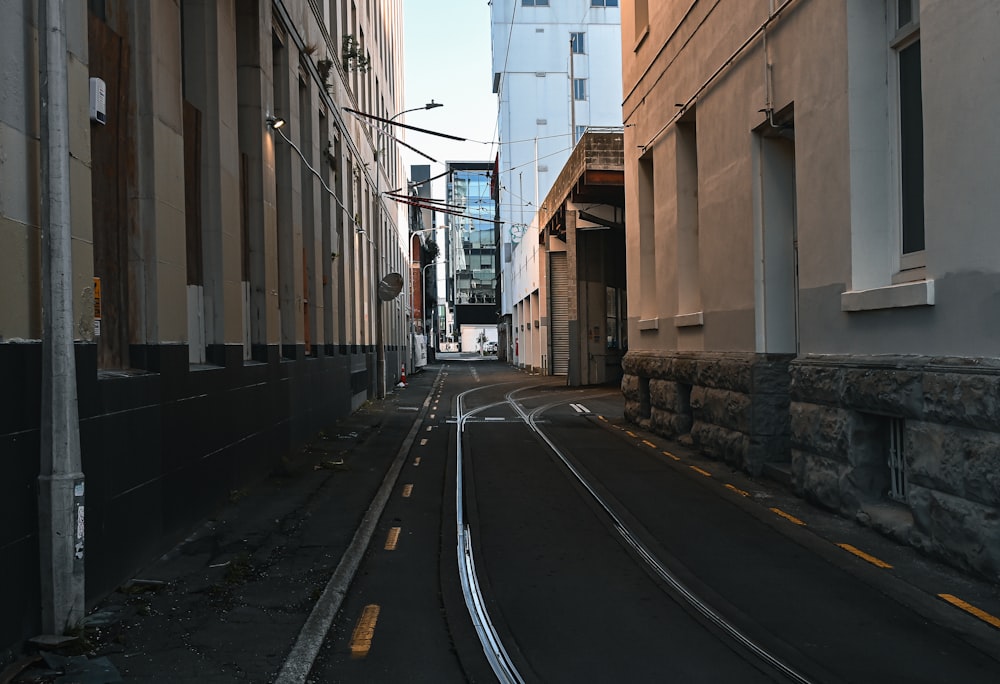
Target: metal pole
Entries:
(380, 337)
(60, 480)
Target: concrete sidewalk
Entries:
(229, 603)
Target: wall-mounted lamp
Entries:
(275, 122)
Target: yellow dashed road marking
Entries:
(630, 433)
(864, 556)
(737, 490)
(603, 418)
(648, 443)
(416, 461)
(364, 631)
(670, 455)
(407, 491)
(699, 470)
(393, 539)
(787, 516)
(971, 610)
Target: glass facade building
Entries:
(472, 236)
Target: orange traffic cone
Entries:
(402, 373)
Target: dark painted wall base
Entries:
(162, 448)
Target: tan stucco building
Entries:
(813, 268)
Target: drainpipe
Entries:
(60, 480)
(572, 98)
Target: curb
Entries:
(300, 659)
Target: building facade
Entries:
(470, 244)
(812, 255)
(557, 71)
(582, 248)
(226, 239)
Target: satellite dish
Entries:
(389, 287)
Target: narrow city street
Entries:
(573, 549)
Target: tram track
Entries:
(503, 665)
(659, 569)
(500, 661)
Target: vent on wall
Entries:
(896, 460)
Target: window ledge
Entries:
(689, 320)
(641, 38)
(649, 324)
(918, 293)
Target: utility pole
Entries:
(60, 480)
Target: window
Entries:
(646, 185)
(688, 275)
(580, 130)
(535, 3)
(577, 45)
(641, 11)
(887, 252)
(615, 323)
(905, 43)
(579, 89)
(604, 3)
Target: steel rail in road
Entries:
(650, 559)
(500, 661)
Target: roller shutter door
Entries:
(559, 313)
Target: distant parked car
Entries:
(490, 348)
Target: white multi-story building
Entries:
(557, 71)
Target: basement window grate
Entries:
(897, 460)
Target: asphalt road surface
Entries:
(532, 537)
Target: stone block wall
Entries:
(730, 406)
(950, 413)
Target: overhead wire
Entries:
(359, 228)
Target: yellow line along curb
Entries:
(364, 631)
(737, 490)
(787, 516)
(971, 609)
(392, 539)
(864, 556)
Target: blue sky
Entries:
(447, 59)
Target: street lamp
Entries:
(430, 105)
(416, 261)
(423, 293)
(412, 295)
(380, 341)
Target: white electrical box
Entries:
(98, 101)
